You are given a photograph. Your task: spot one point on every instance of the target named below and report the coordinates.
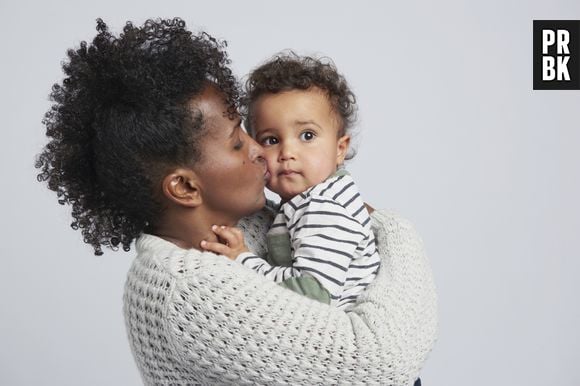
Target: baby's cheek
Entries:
(272, 184)
(321, 169)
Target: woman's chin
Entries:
(258, 204)
(261, 201)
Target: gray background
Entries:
(452, 137)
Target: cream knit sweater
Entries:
(198, 318)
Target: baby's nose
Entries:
(287, 152)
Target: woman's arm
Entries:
(230, 325)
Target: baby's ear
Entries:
(342, 148)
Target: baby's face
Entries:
(300, 135)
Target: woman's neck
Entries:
(187, 229)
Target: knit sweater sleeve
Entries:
(224, 324)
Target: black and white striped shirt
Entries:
(330, 237)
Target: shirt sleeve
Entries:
(324, 238)
(307, 286)
(276, 273)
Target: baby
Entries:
(300, 110)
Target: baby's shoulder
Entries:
(333, 187)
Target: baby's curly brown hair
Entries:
(288, 71)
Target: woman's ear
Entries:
(342, 148)
(182, 188)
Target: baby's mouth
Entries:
(287, 172)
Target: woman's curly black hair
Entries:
(288, 71)
(120, 120)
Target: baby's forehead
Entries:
(296, 107)
(313, 94)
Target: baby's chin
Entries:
(285, 194)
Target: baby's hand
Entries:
(232, 243)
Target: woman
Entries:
(146, 145)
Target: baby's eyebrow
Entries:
(262, 131)
(310, 121)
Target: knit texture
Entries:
(197, 318)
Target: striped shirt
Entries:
(330, 239)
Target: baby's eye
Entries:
(307, 136)
(269, 141)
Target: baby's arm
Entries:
(324, 238)
(235, 248)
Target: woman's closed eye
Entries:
(239, 145)
(239, 134)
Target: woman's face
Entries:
(231, 171)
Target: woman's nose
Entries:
(256, 152)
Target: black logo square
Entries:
(556, 55)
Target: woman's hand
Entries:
(232, 242)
